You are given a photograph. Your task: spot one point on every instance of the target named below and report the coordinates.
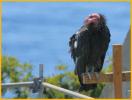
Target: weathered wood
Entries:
(117, 70)
(108, 77)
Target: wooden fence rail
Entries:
(107, 77)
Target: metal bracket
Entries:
(36, 85)
(37, 82)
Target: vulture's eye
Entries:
(90, 16)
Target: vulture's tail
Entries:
(87, 87)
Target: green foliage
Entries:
(108, 69)
(14, 71)
(97, 92)
(68, 80)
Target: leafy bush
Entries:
(14, 71)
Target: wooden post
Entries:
(117, 70)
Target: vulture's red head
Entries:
(95, 21)
(93, 18)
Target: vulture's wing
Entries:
(72, 48)
(76, 42)
(104, 49)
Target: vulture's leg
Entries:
(89, 76)
(97, 75)
(90, 71)
(81, 68)
(97, 71)
(98, 68)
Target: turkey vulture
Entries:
(88, 47)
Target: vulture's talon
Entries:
(89, 75)
(97, 75)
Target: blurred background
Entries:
(38, 33)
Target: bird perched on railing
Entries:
(88, 47)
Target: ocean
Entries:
(38, 33)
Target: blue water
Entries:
(39, 32)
